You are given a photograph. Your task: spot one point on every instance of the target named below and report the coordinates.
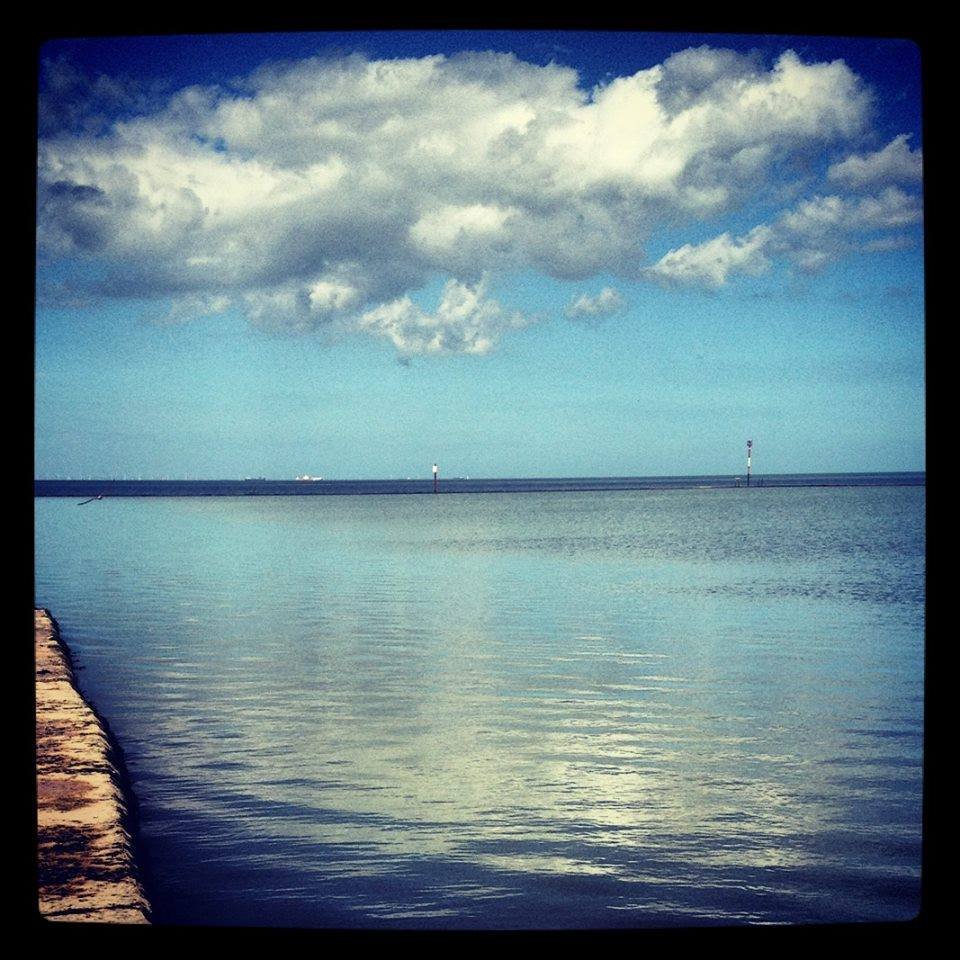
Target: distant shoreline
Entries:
(258, 487)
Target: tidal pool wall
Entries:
(86, 867)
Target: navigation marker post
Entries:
(749, 453)
(436, 479)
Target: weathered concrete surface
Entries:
(85, 869)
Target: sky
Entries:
(516, 254)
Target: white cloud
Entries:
(883, 244)
(443, 228)
(607, 302)
(818, 231)
(465, 321)
(456, 238)
(709, 264)
(329, 190)
(822, 216)
(895, 163)
(190, 308)
(331, 296)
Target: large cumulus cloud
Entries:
(326, 191)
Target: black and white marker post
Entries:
(749, 452)
(436, 479)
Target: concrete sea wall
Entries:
(86, 870)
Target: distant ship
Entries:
(307, 476)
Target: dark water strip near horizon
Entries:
(287, 488)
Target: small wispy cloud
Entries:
(816, 232)
(465, 321)
(895, 163)
(709, 264)
(606, 303)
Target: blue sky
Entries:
(517, 254)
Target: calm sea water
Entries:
(571, 709)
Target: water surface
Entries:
(644, 707)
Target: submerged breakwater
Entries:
(86, 869)
(93, 489)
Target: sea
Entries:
(516, 704)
